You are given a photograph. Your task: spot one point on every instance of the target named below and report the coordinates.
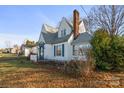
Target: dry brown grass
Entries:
(14, 74)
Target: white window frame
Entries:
(59, 49)
(63, 32)
(79, 51)
(75, 51)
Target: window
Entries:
(41, 51)
(63, 32)
(59, 50)
(75, 50)
(79, 51)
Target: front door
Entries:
(41, 52)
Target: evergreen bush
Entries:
(108, 51)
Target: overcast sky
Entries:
(18, 23)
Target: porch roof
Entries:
(83, 37)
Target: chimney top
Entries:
(76, 11)
(76, 23)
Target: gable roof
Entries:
(49, 37)
(52, 38)
(50, 29)
(50, 34)
(70, 23)
(83, 37)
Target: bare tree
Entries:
(88, 24)
(110, 18)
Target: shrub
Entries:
(117, 50)
(72, 68)
(108, 51)
(79, 68)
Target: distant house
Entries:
(69, 41)
(25, 50)
(1, 51)
(7, 50)
(33, 54)
(15, 49)
(28, 49)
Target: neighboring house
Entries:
(33, 54)
(69, 41)
(15, 49)
(34, 50)
(7, 50)
(27, 49)
(1, 51)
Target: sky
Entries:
(18, 23)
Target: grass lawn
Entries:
(15, 74)
(7, 55)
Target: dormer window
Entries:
(63, 32)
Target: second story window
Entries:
(63, 32)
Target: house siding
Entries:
(49, 52)
(64, 25)
(84, 45)
(67, 46)
(82, 27)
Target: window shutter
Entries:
(73, 50)
(54, 50)
(63, 50)
(64, 32)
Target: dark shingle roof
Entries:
(52, 38)
(51, 35)
(83, 37)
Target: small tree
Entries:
(117, 51)
(108, 52)
(30, 43)
(101, 45)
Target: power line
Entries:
(84, 10)
(86, 15)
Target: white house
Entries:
(33, 54)
(27, 51)
(67, 42)
(15, 49)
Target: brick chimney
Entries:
(76, 23)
